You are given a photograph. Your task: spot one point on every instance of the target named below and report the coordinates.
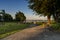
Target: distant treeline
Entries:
(6, 17)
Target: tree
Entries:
(39, 6)
(20, 17)
(45, 7)
(2, 12)
(7, 17)
(0, 18)
(4, 16)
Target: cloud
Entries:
(35, 17)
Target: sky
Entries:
(13, 6)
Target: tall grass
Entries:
(11, 27)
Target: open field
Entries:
(10, 28)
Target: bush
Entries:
(56, 26)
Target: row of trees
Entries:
(19, 16)
(47, 8)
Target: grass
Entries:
(56, 26)
(7, 34)
(10, 28)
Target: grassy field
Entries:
(10, 28)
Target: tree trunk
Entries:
(55, 16)
(49, 21)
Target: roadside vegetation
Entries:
(10, 28)
(55, 27)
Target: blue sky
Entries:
(13, 6)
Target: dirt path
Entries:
(34, 33)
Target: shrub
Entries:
(56, 26)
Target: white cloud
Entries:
(35, 17)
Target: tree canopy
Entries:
(45, 7)
(5, 16)
(20, 16)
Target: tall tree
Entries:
(45, 7)
(20, 17)
(7, 17)
(39, 6)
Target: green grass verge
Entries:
(10, 28)
(7, 34)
